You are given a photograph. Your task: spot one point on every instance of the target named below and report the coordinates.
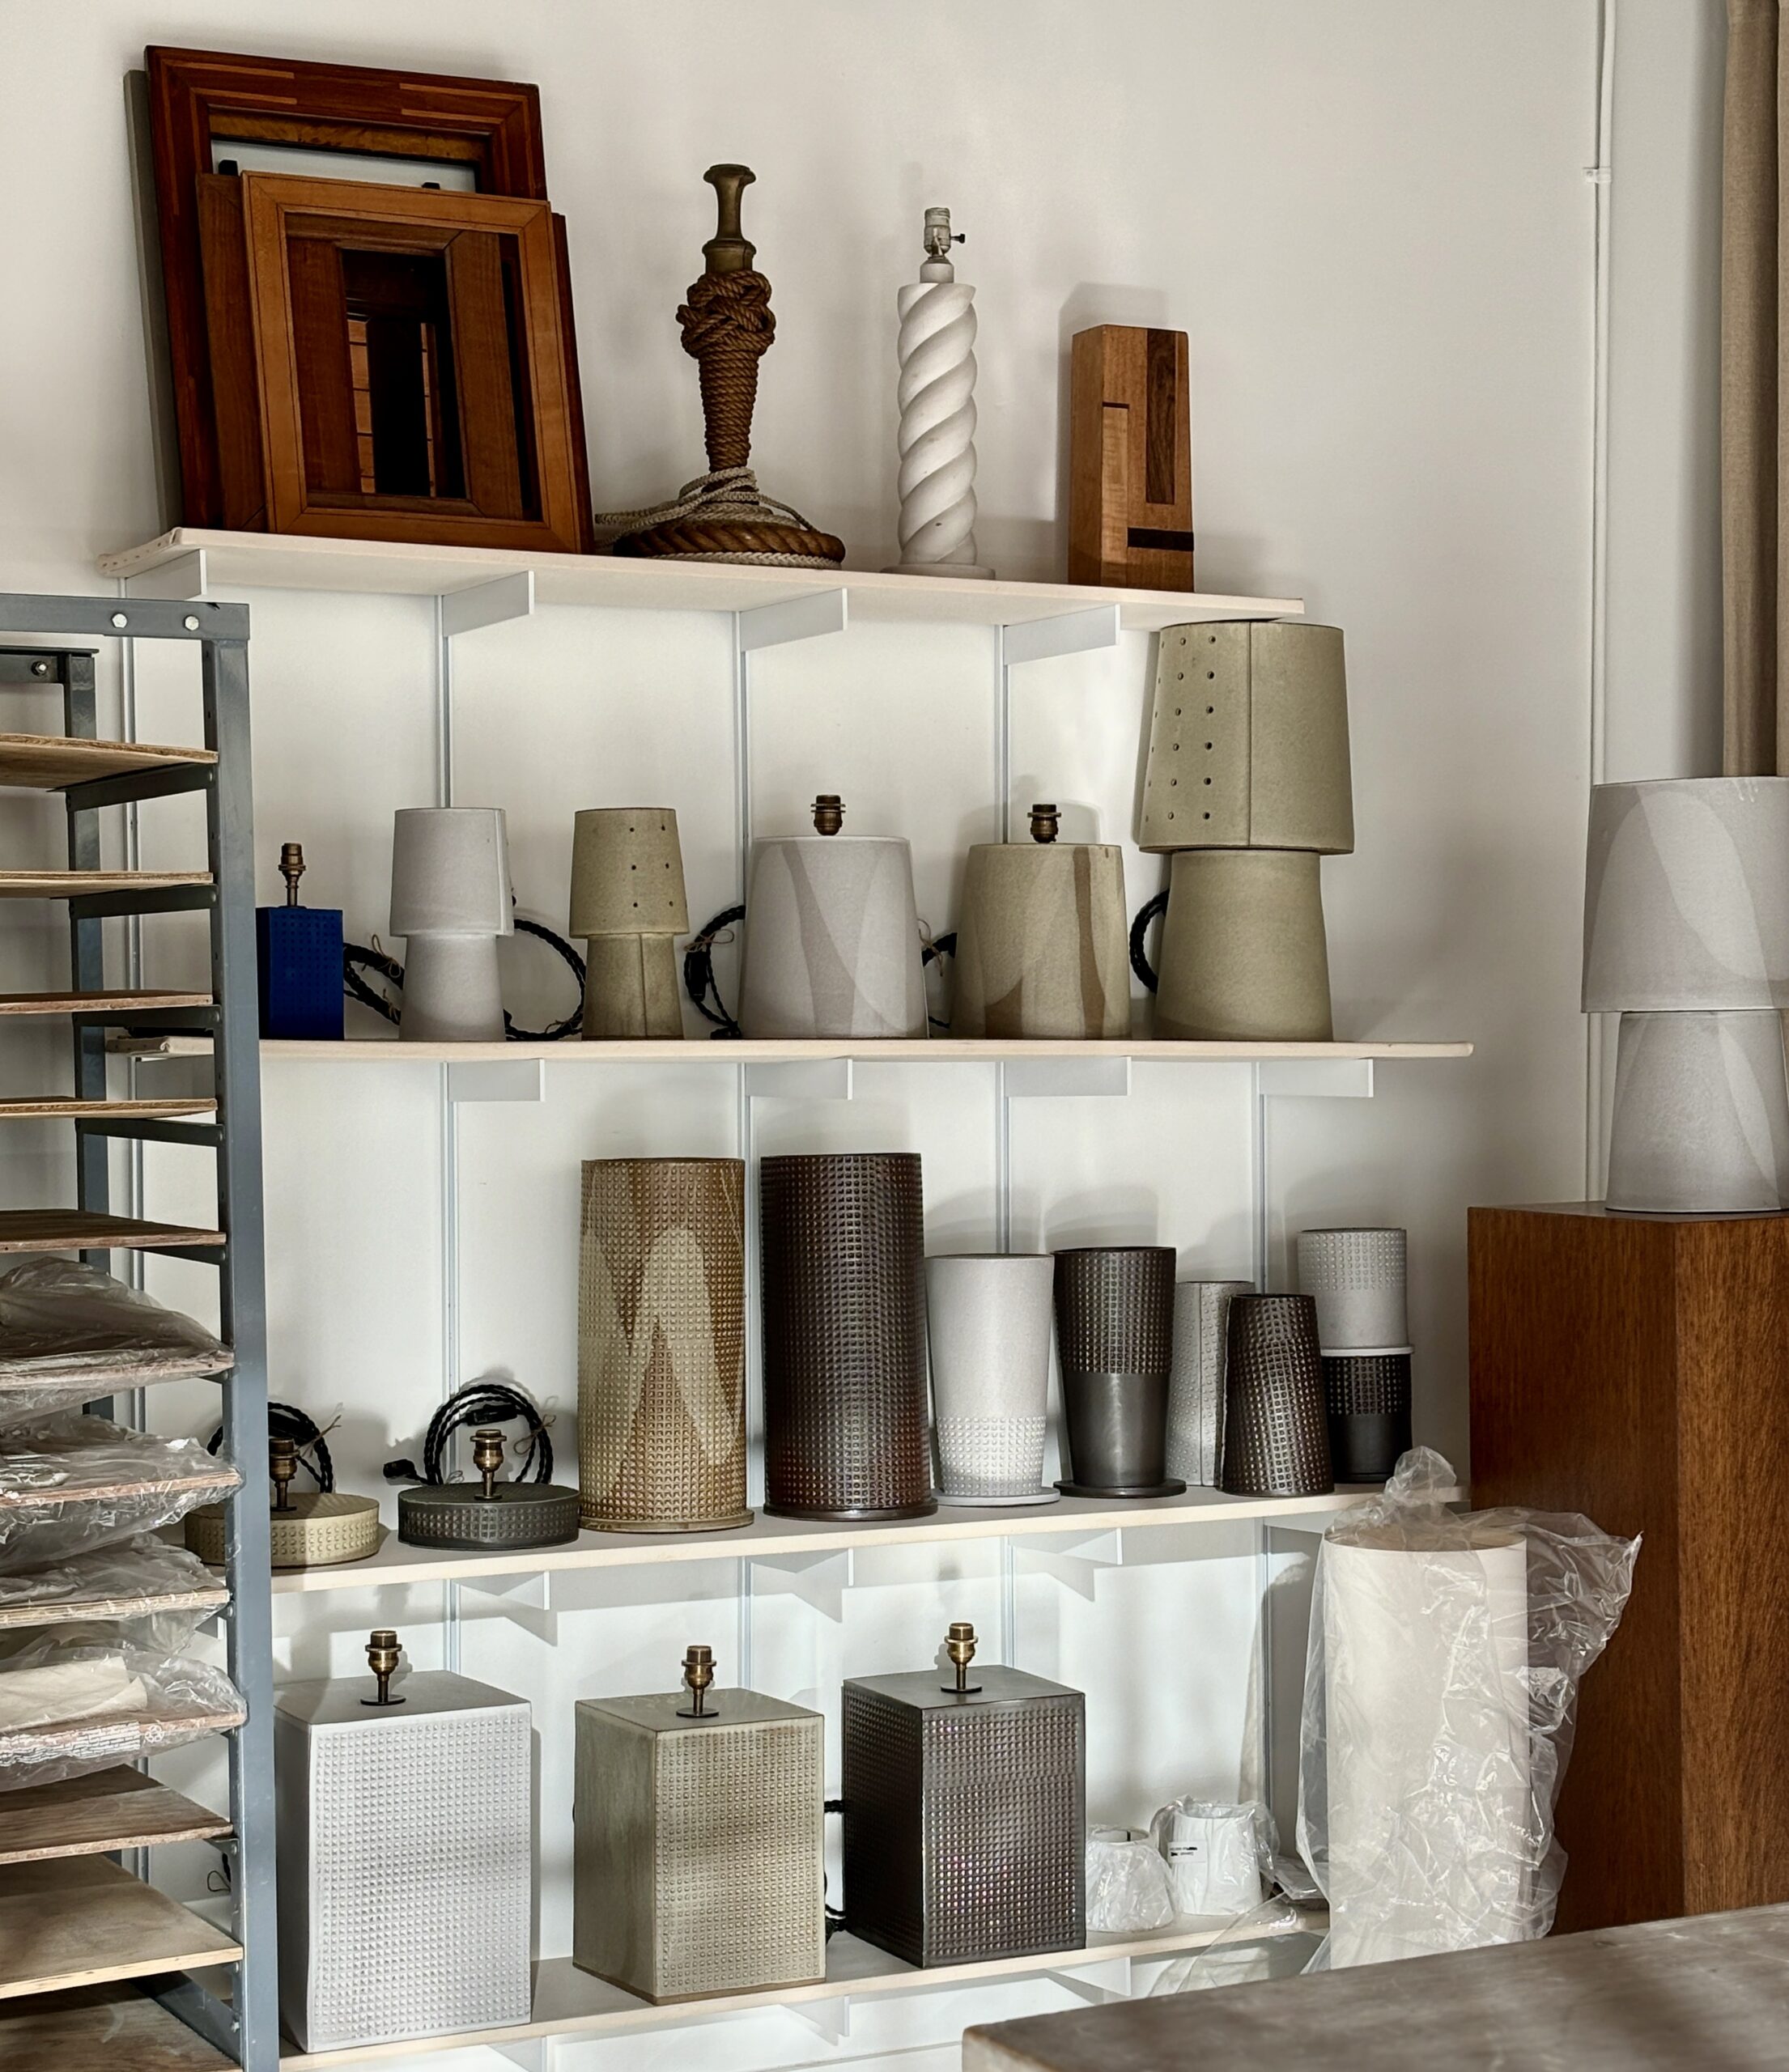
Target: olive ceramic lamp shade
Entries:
(988, 1322)
(1043, 948)
(1114, 1341)
(1686, 937)
(831, 940)
(844, 1352)
(1248, 740)
(661, 1345)
(629, 906)
(450, 899)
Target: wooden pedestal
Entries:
(1636, 1368)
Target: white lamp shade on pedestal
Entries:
(451, 899)
(1701, 1121)
(988, 1319)
(832, 939)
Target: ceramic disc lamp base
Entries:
(317, 1530)
(516, 1514)
(1700, 1125)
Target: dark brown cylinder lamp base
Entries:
(1276, 1424)
(1367, 1397)
(1115, 1337)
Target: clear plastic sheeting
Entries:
(71, 1484)
(1441, 1692)
(1128, 1887)
(72, 1704)
(69, 1332)
(1220, 1858)
(113, 1581)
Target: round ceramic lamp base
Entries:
(1021, 1501)
(1170, 1487)
(923, 1511)
(451, 992)
(730, 1523)
(516, 1514)
(1244, 958)
(318, 1531)
(1700, 1125)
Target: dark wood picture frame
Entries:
(200, 96)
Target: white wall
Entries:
(1374, 222)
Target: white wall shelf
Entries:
(190, 561)
(570, 2002)
(397, 1565)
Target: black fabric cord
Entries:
(834, 1915)
(478, 1403)
(284, 1422)
(1140, 927)
(698, 980)
(935, 952)
(388, 969)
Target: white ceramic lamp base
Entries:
(1701, 1120)
(451, 992)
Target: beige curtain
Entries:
(1754, 370)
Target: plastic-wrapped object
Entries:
(72, 1704)
(73, 1483)
(1440, 1696)
(119, 1581)
(1127, 1888)
(69, 1333)
(1220, 1858)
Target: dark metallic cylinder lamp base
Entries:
(921, 1510)
(1367, 1395)
(1115, 1337)
(516, 1515)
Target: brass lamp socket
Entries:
(960, 1645)
(383, 1656)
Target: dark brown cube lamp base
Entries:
(1632, 1369)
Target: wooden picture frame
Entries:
(500, 448)
(201, 97)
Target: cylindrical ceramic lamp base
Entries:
(452, 991)
(1700, 1124)
(317, 1529)
(1276, 1427)
(1357, 1277)
(1243, 952)
(831, 940)
(1195, 1382)
(988, 1317)
(630, 988)
(1042, 942)
(1368, 1398)
(1114, 1336)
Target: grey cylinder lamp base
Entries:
(1244, 958)
(318, 1531)
(630, 988)
(452, 991)
(516, 1514)
(1700, 1125)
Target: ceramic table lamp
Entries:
(1248, 785)
(661, 1345)
(987, 1316)
(450, 899)
(1042, 947)
(628, 905)
(1686, 937)
(831, 936)
(1114, 1340)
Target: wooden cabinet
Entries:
(1636, 1368)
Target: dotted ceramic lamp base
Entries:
(317, 1532)
(516, 1514)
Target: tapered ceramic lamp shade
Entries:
(845, 1360)
(831, 936)
(988, 1318)
(450, 899)
(661, 1345)
(1114, 1341)
(1043, 948)
(1686, 936)
(628, 904)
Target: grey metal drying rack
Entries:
(245, 2025)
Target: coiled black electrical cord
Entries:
(1140, 927)
(388, 969)
(700, 984)
(479, 1402)
(284, 1422)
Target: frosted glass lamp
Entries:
(1686, 937)
(629, 905)
(450, 899)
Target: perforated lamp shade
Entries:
(1686, 896)
(628, 873)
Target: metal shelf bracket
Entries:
(1068, 632)
(493, 603)
(1048, 1079)
(183, 577)
(794, 618)
(498, 1079)
(1074, 1560)
(1347, 1079)
(826, 1079)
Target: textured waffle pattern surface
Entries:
(1114, 1309)
(1276, 1428)
(965, 1825)
(1367, 1384)
(990, 1456)
(1196, 1381)
(1359, 1280)
(521, 1514)
(419, 1877)
(661, 1343)
(738, 1859)
(318, 1530)
(844, 1333)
